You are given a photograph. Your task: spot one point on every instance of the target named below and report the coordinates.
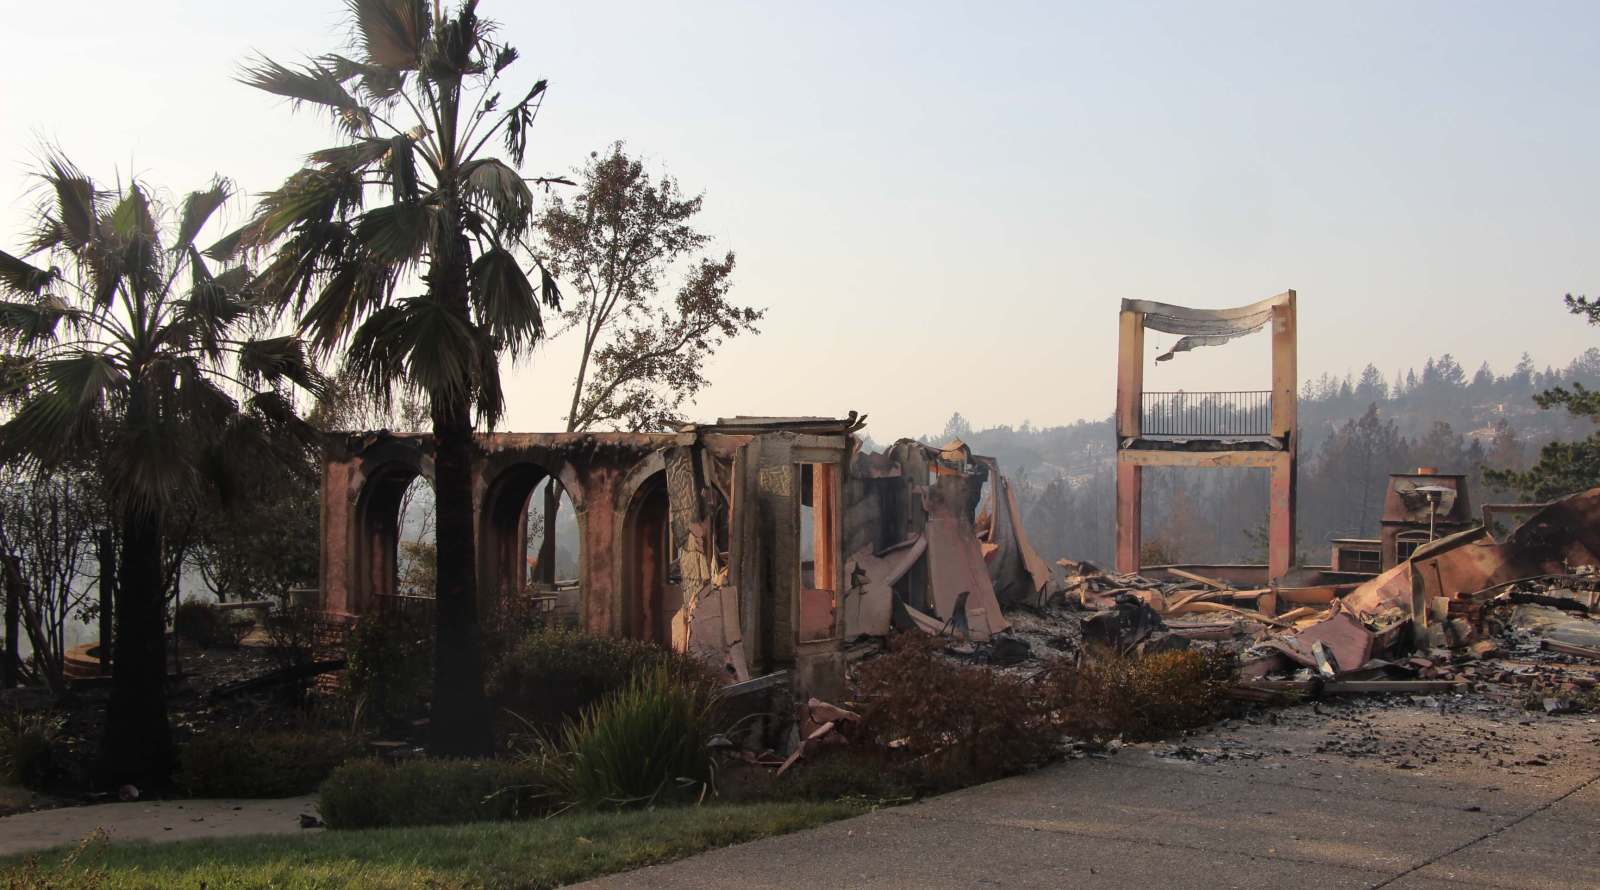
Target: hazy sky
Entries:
(941, 205)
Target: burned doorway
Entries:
(652, 589)
(819, 550)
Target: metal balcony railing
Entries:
(1206, 414)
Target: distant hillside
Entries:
(1354, 431)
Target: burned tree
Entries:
(617, 243)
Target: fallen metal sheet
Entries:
(869, 603)
(1390, 590)
(956, 567)
(1017, 572)
(1349, 641)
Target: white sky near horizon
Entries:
(941, 204)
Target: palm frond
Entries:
(504, 300)
(61, 407)
(397, 233)
(457, 47)
(503, 188)
(23, 278)
(274, 359)
(420, 341)
(130, 231)
(381, 83)
(520, 120)
(211, 308)
(314, 83)
(197, 209)
(76, 206)
(491, 396)
(392, 32)
(356, 156)
(229, 246)
(33, 324)
(310, 195)
(403, 168)
(353, 290)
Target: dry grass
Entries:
(1106, 696)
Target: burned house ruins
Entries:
(765, 544)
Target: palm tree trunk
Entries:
(460, 724)
(137, 748)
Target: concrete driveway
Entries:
(1415, 797)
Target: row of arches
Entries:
(613, 555)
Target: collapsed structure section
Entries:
(762, 544)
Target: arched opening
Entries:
(509, 539)
(650, 585)
(394, 536)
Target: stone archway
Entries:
(394, 467)
(510, 479)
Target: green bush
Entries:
(389, 669)
(644, 743)
(372, 794)
(1107, 696)
(554, 673)
(957, 723)
(243, 763)
(206, 626)
(28, 748)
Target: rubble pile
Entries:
(1466, 610)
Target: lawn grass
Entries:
(532, 854)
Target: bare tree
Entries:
(618, 244)
(47, 535)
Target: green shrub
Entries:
(554, 673)
(1107, 696)
(206, 626)
(644, 743)
(28, 748)
(389, 669)
(372, 794)
(958, 723)
(243, 763)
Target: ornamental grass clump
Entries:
(644, 743)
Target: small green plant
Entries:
(371, 794)
(644, 743)
(389, 667)
(28, 748)
(1107, 696)
(958, 723)
(206, 626)
(246, 763)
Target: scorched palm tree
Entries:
(413, 198)
(138, 357)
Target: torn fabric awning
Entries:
(1202, 327)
